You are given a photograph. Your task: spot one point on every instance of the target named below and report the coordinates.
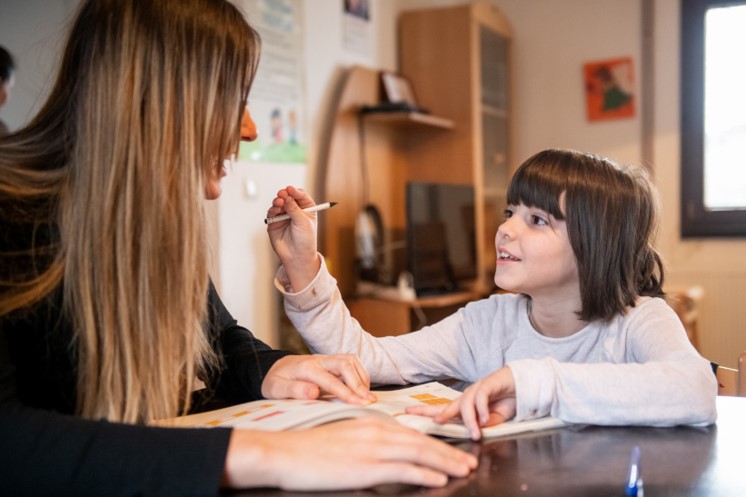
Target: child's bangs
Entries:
(538, 184)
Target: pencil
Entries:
(314, 208)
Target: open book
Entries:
(290, 414)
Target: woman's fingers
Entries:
(350, 454)
(375, 451)
(341, 375)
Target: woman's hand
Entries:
(350, 454)
(487, 402)
(294, 240)
(308, 376)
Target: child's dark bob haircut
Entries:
(612, 217)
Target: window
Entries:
(713, 118)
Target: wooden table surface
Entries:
(591, 461)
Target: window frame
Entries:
(696, 220)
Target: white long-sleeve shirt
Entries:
(635, 369)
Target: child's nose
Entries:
(503, 231)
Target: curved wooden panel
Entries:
(341, 179)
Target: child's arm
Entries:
(314, 305)
(322, 318)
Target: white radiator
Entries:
(722, 312)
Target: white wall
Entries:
(33, 32)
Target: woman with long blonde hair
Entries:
(106, 306)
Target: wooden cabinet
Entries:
(367, 160)
(458, 60)
(384, 317)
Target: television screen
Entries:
(441, 239)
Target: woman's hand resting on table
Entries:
(350, 454)
(294, 240)
(310, 376)
(487, 402)
(358, 453)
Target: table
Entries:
(592, 461)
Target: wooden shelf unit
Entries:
(458, 60)
(367, 161)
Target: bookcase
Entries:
(367, 160)
(458, 62)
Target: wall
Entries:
(552, 40)
(33, 31)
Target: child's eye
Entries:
(539, 221)
(508, 213)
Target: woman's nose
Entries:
(248, 127)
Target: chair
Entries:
(732, 382)
(686, 300)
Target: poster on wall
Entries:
(356, 26)
(276, 96)
(609, 89)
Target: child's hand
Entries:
(487, 402)
(294, 240)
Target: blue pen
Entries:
(634, 476)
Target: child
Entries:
(585, 336)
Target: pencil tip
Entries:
(332, 204)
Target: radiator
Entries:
(721, 326)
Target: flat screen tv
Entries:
(441, 238)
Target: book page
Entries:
(270, 415)
(287, 414)
(396, 401)
(284, 414)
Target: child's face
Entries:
(534, 255)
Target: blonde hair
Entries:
(149, 97)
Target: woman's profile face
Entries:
(213, 188)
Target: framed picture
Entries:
(397, 89)
(609, 89)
